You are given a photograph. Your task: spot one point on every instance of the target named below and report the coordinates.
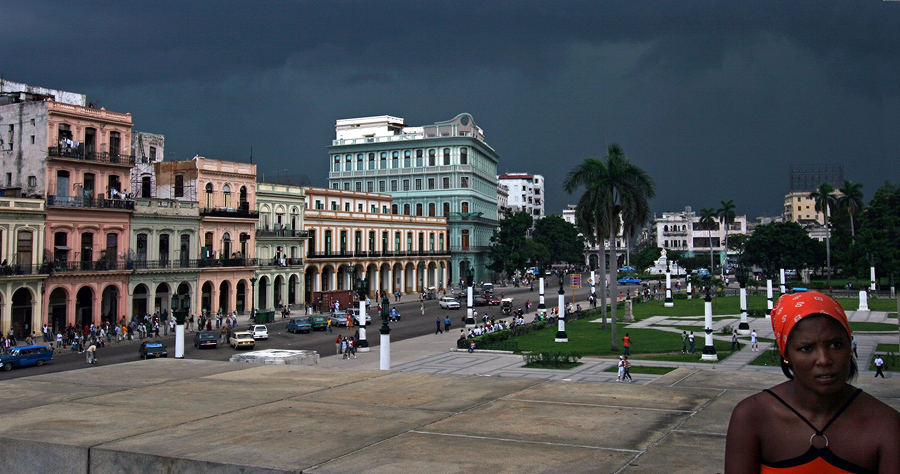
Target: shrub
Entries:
(680, 296)
(551, 359)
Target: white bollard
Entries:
(863, 301)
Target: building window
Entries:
(446, 208)
(431, 157)
(32, 181)
(359, 162)
(406, 209)
(431, 211)
(348, 163)
(464, 239)
(394, 209)
(370, 186)
(445, 183)
(407, 159)
(463, 156)
(419, 158)
(383, 160)
(393, 185)
(395, 160)
(319, 204)
(346, 207)
(371, 161)
(334, 205)
(374, 208)
(346, 186)
(430, 183)
(446, 156)
(337, 162)
(406, 185)
(463, 182)
(358, 186)
(464, 206)
(418, 184)
(179, 185)
(418, 209)
(381, 186)
(384, 210)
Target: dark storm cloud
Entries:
(715, 99)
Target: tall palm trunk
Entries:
(828, 247)
(613, 282)
(603, 288)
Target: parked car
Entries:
(449, 303)
(259, 331)
(487, 288)
(340, 318)
(319, 322)
(205, 339)
(242, 340)
(629, 280)
(478, 300)
(24, 356)
(152, 349)
(296, 325)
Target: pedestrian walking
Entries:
(879, 365)
(620, 375)
(627, 373)
(447, 323)
(684, 339)
(734, 341)
(691, 341)
(754, 346)
(437, 323)
(344, 347)
(626, 341)
(337, 345)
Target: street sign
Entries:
(576, 281)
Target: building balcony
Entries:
(235, 212)
(278, 234)
(378, 254)
(281, 262)
(91, 203)
(62, 266)
(470, 248)
(189, 264)
(14, 270)
(675, 232)
(78, 153)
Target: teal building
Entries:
(445, 169)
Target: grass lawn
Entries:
(589, 339)
(866, 326)
(558, 367)
(852, 304)
(769, 358)
(643, 369)
(726, 305)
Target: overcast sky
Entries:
(716, 100)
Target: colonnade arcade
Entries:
(270, 289)
(405, 276)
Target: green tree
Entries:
(560, 238)
(648, 256)
(851, 201)
(619, 195)
(879, 236)
(727, 215)
(825, 200)
(780, 245)
(708, 221)
(509, 246)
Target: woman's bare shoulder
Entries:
(878, 412)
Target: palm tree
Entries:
(851, 200)
(708, 219)
(589, 213)
(726, 214)
(621, 192)
(825, 199)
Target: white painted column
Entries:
(709, 350)
(769, 297)
(744, 326)
(470, 317)
(782, 288)
(872, 277)
(363, 343)
(561, 335)
(669, 302)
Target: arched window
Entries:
(209, 195)
(431, 209)
(463, 156)
(226, 191)
(407, 159)
(464, 206)
(431, 158)
(446, 156)
(226, 245)
(406, 209)
(371, 161)
(395, 160)
(383, 160)
(419, 158)
(337, 162)
(446, 208)
(394, 209)
(419, 209)
(348, 162)
(359, 162)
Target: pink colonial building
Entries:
(228, 217)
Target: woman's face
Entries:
(819, 351)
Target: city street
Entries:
(412, 324)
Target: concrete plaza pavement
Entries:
(436, 411)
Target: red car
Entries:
(491, 301)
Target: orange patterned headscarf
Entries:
(792, 308)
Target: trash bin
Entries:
(264, 317)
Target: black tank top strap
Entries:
(836, 415)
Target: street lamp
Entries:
(709, 350)
(561, 335)
(470, 282)
(669, 303)
(542, 308)
(362, 290)
(253, 280)
(743, 275)
(181, 304)
(385, 355)
(871, 259)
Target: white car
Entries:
(449, 303)
(340, 318)
(259, 331)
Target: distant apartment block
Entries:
(526, 193)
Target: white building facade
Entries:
(526, 193)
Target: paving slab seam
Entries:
(542, 443)
(673, 430)
(629, 407)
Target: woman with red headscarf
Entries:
(816, 422)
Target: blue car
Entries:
(629, 280)
(23, 356)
